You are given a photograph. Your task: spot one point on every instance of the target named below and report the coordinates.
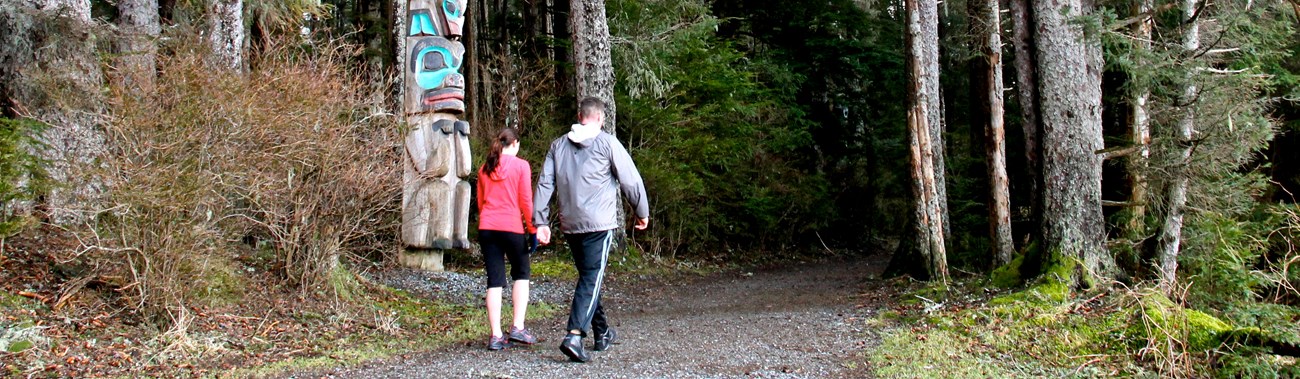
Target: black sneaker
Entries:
(603, 340)
(523, 336)
(497, 342)
(572, 347)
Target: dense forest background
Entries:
(763, 129)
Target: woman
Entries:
(505, 207)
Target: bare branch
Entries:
(1117, 152)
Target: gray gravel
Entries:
(466, 288)
(791, 322)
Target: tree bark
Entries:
(137, 65)
(1070, 109)
(1171, 233)
(986, 86)
(922, 115)
(560, 50)
(76, 9)
(73, 138)
(936, 111)
(1141, 132)
(594, 69)
(399, 31)
(226, 33)
(591, 56)
(1027, 94)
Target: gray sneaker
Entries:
(572, 347)
(523, 336)
(497, 342)
(603, 340)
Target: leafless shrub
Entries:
(283, 159)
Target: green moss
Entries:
(343, 282)
(218, 282)
(1008, 275)
(937, 354)
(11, 301)
(1162, 318)
(555, 267)
(1206, 330)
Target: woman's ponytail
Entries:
(504, 138)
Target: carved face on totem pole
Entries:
(434, 82)
(435, 197)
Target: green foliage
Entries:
(1219, 262)
(721, 155)
(22, 173)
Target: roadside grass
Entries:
(424, 324)
(404, 324)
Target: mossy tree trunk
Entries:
(1069, 89)
(55, 78)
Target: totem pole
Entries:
(435, 195)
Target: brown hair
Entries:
(590, 106)
(504, 138)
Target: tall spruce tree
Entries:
(986, 90)
(923, 117)
(1069, 107)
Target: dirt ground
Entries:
(794, 321)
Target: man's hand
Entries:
(544, 235)
(642, 223)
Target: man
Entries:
(580, 170)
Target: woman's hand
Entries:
(544, 235)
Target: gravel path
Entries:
(789, 322)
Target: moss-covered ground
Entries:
(1044, 330)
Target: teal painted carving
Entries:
(435, 195)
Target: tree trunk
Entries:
(137, 65)
(591, 56)
(1171, 233)
(560, 51)
(73, 138)
(936, 111)
(398, 42)
(1141, 133)
(76, 9)
(594, 69)
(226, 33)
(922, 115)
(1027, 94)
(1070, 111)
(986, 86)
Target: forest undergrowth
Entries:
(979, 327)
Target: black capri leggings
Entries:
(499, 246)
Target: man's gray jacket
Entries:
(581, 176)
